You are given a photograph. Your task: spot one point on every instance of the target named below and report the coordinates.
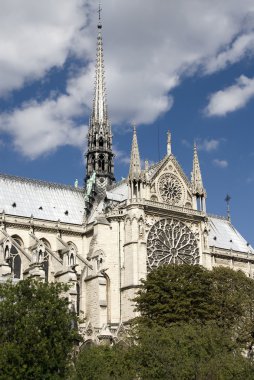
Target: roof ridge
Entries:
(40, 182)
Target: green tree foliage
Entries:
(174, 293)
(36, 331)
(186, 293)
(189, 352)
(194, 324)
(105, 363)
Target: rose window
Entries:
(170, 188)
(170, 241)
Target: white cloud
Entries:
(121, 156)
(231, 98)
(208, 145)
(243, 45)
(220, 163)
(186, 143)
(40, 128)
(249, 180)
(36, 36)
(148, 50)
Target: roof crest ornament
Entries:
(227, 200)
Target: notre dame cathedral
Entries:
(103, 239)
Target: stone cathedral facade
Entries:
(103, 239)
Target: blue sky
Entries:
(186, 66)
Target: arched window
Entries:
(6, 253)
(46, 242)
(93, 162)
(72, 254)
(101, 142)
(15, 256)
(72, 260)
(101, 162)
(43, 258)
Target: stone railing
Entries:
(217, 216)
(165, 206)
(230, 253)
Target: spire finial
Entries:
(99, 13)
(227, 200)
(169, 143)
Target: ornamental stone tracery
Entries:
(170, 189)
(170, 241)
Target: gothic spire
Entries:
(197, 183)
(99, 156)
(135, 165)
(99, 113)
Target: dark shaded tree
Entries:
(189, 352)
(36, 331)
(105, 363)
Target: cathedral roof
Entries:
(223, 235)
(43, 200)
(118, 192)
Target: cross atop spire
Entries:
(135, 165)
(99, 13)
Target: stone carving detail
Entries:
(170, 188)
(170, 241)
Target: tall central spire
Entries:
(99, 156)
(99, 114)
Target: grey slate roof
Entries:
(223, 234)
(50, 201)
(43, 200)
(119, 192)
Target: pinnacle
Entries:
(135, 165)
(197, 182)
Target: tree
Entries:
(104, 363)
(187, 293)
(36, 331)
(189, 352)
(233, 295)
(194, 324)
(174, 293)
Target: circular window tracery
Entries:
(170, 188)
(170, 241)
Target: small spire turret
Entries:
(135, 165)
(197, 183)
(136, 179)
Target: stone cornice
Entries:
(41, 225)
